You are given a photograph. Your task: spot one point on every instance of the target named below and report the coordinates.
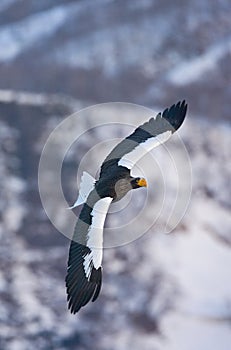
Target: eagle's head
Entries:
(138, 182)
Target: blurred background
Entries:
(162, 291)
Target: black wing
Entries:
(152, 131)
(84, 274)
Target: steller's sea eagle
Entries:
(84, 274)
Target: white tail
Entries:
(87, 184)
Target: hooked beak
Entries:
(142, 183)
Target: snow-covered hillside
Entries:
(145, 51)
(162, 291)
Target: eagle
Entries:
(84, 271)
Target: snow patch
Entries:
(114, 47)
(192, 70)
(27, 32)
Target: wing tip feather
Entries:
(175, 114)
(80, 288)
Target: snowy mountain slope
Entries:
(173, 287)
(19, 36)
(162, 291)
(117, 51)
(197, 68)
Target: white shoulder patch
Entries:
(95, 235)
(130, 159)
(86, 186)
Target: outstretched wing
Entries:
(147, 136)
(84, 275)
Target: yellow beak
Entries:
(142, 183)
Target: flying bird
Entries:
(84, 273)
